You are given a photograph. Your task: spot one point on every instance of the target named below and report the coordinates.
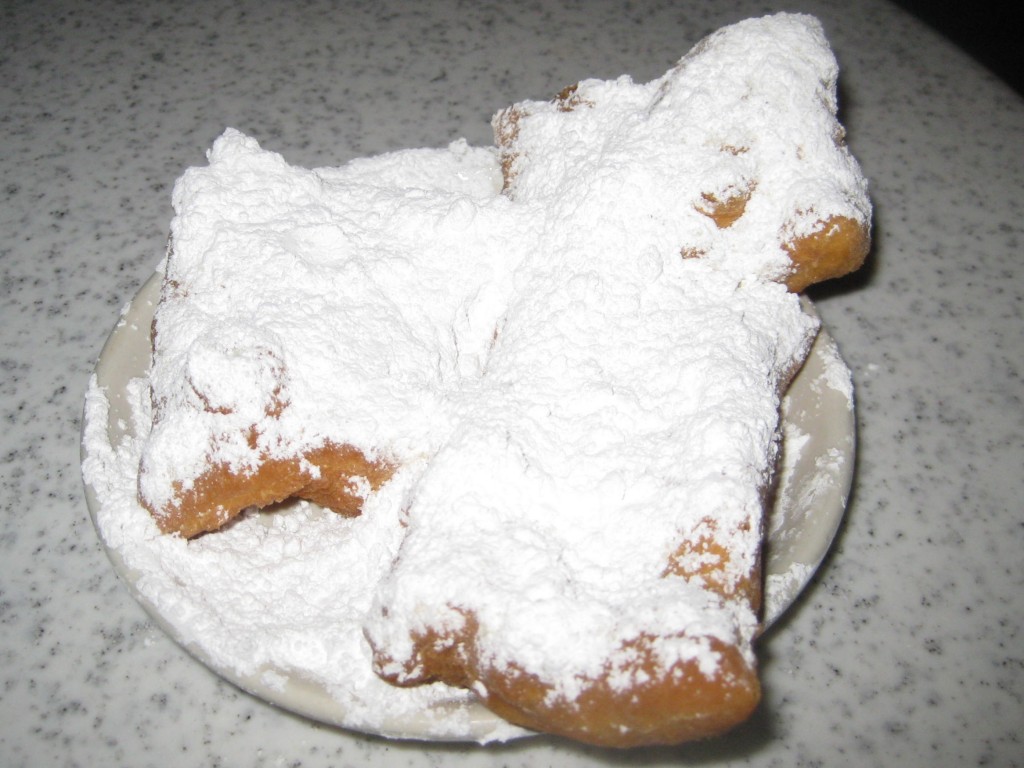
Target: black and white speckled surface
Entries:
(909, 648)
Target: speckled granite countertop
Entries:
(907, 650)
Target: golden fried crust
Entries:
(668, 707)
(706, 558)
(838, 247)
(727, 211)
(506, 131)
(323, 476)
(658, 706)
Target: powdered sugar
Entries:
(652, 381)
(373, 287)
(273, 599)
(565, 397)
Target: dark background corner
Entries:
(990, 32)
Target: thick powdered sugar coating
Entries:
(617, 415)
(750, 112)
(273, 599)
(631, 395)
(567, 397)
(341, 301)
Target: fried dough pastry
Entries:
(611, 590)
(568, 354)
(307, 334)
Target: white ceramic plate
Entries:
(818, 422)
